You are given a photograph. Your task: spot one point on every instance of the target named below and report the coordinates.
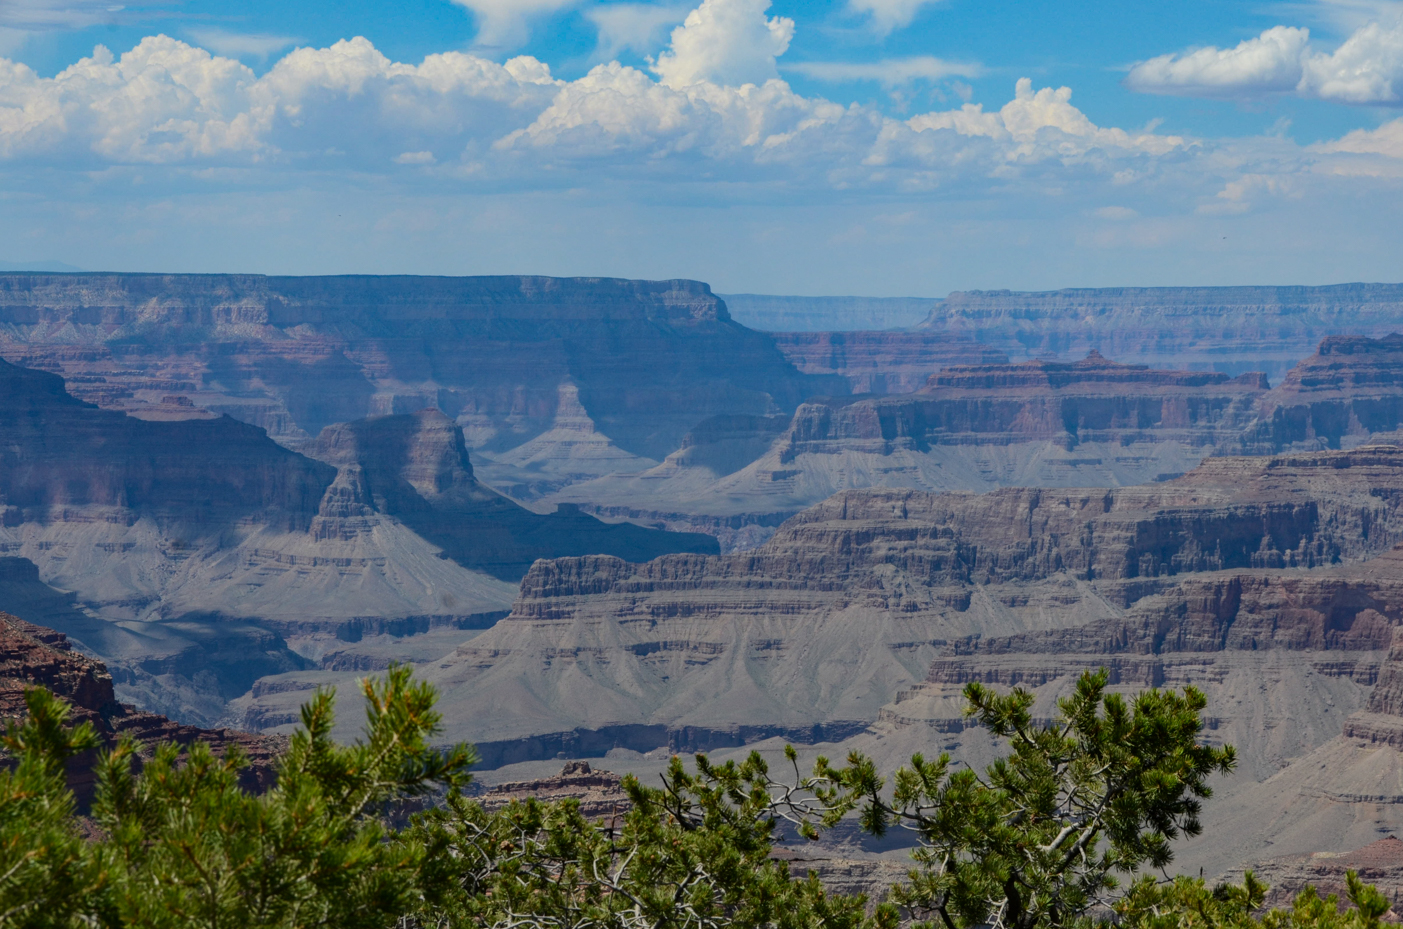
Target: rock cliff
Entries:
(1349, 391)
(972, 427)
(1229, 329)
(415, 467)
(33, 656)
(1039, 423)
(1379, 863)
(295, 354)
(882, 362)
(810, 634)
(57, 451)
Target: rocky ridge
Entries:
(295, 354)
(199, 555)
(415, 467)
(1092, 422)
(882, 362)
(809, 636)
(1228, 329)
(1379, 863)
(34, 656)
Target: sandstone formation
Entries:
(977, 427)
(882, 362)
(644, 401)
(1379, 863)
(199, 556)
(415, 467)
(809, 636)
(1348, 392)
(33, 656)
(600, 793)
(1343, 794)
(1228, 329)
(295, 354)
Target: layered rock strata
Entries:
(882, 362)
(33, 656)
(852, 600)
(1379, 863)
(1348, 392)
(1040, 423)
(200, 555)
(415, 467)
(295, 354)
(1228, 329)
(600, 793)
(971, 427)
(1346, 792)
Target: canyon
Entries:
(606, 519)
(196, 556)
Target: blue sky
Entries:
(875, 147)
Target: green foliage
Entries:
(1036, 840)
(1188, 903)
(193, 849)
(694, 854)
(45, 865)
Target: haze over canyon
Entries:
(606, 519)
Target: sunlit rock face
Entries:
(295, 354)
(852, 600)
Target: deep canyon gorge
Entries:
(606, 519)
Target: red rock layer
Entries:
(1352, 387)
(1380, 864)
(1354, 609)
(600, 792)
(33, 656)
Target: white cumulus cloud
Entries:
(1042, 123)
(1272, 62)
(636, 27)
(729, 42)
(1385, 140)
(234, 44)
(1366, 69)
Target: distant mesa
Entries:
(1228, 329)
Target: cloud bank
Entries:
(704, 163)
(714, 98)
(1367, 69)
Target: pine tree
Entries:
(1037, 840)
